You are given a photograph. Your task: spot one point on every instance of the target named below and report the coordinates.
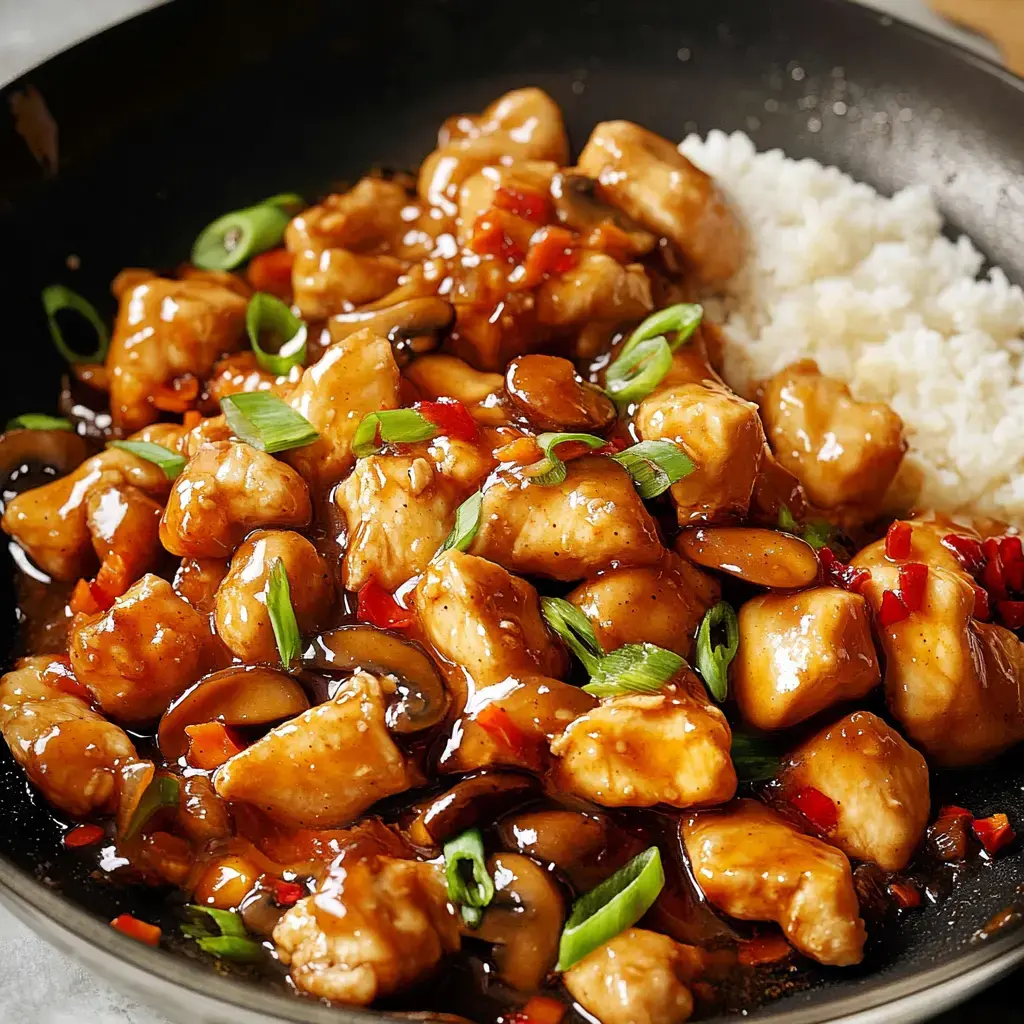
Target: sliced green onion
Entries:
(632, 377)
(170, 462)
(57, 299)
(163, 791)
(755, 759)
(712, 658)
(787, 522)
(38, 421)
(678, 322)
(231, 947)
(282, 614)
(238, 236)
(470, 885)
(467, 522)
(552, 471)
(612, 907)
(575, 629)
(819, 533)
(633, 668)
(395, 426)
(655, 466)
(267, 422)
(231, 942)
(268, 314)
(290, 202)
(226, 921)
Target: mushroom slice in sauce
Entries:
(766, 558)
(413, 326)
(578, 206)
(552, 396)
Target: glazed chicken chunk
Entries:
(639, 977)
(801, 653)
(877, 782)
(376, 926)
(752, 864)
(68, 750)
(325, 767)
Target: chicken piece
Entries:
(439, 375)
(172, 436)
(124, 526)
(241, 373)
(240, 608)
(164, 330)
(477, 193)
(721, 433)
(752, 864)
(52, 522)
(524, 124)
(211, 430)
(844, 452)
(638, 977)
(593, 520)
(801, 653)
(485, 620)
(72, 754)
(642, 749)
(147, 649)
(377, 926)
(656, 604)
(325, 767)
(197, 580)
(597, 290)
(333, 281)
(646, 176)
(227, 489)
(877, 782)
(354, 377)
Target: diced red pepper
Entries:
(451, 417)
(177, 396)
(993, 832)
(992, 575)
(765, 949)
(491, 238)
(953, 811)
(817, 808)
(83, 835)
(1011, 549)
(897, 540)
(838, 574)
(82, 601)
(540, 1010)
(913, 580)
(522, 450)
(272, 272)
(1013, 575)
(892, 610)
(967, 549)
(287, 894)
(905, 895)
(111, 581)
(376, 606)
(552, 251)
(982, 605)
(141, 931)
(210, 744)
(1012, 613)
(533, 206)
(497, 722)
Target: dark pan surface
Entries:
(197, 108)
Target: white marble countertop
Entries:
(38, 985)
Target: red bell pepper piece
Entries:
(552, 251)
(497, 722)
(838, 574)
(141, 931)
(993, 832)
(967, 549)
(817, 808)
(376, 606)
(532, 206)
(83, 835)
(893, 610)
(982, 605)
(451, 417)
(491, 237)
(897, 540)
(1012, 613)
(913, 580)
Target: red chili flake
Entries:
(967, 549)
(992, 574)
(552, 251)
(817, 808)
(1012, 613)
(906, 895)
(982, 605)
(376, 606)
(897, 540)
(533, 206)
(765, 949)
(913, 580)
(893, 610)
(490, 238)
(83, 835)
(287, 894)
(839, 574)
(451, 417)
(993, 832)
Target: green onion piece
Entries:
(679, 321)
(38, 421)
(290, 202)
(712, 658)
(268, 314)
(755, 759)
(818, 533)
(163, 791)
(655, 466)
(633, 668)
(232, 947)
(465, 871)
(634, 376)
(227, 921)
(554, 472)
(267, 422)
(56, 299)
(472, 916)
(787, 522)
(170, 462)
(396, 426)
(612, 907)
(238, 236)
(467, 522)
(282, 614)
(575, 629)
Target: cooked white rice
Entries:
(871, 289)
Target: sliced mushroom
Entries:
(241, 695)
(420, 699)
(478, 798)
(524, 921)
(578, 205)
(552, 396)
(766, 558)
(24, 453)
(413, 326)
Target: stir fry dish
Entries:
(410, 603)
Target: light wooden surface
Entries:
(1001, 21)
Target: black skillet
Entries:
(201, 107)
